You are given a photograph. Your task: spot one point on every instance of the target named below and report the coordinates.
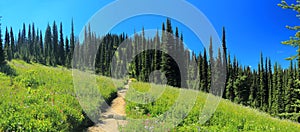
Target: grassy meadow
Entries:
(146, 111)
(35, 97)
(39, 98)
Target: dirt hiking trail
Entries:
(114, 116)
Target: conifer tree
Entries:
(270, 85)
(266, 83)
(41, 49)
(7, 47)
(33, 44)
(12, 41)
(274, 91)
(280, 91)
(254, 89)
(289, 90)
(61, 47)
(205, 72)
(262, 85)
(72, 43)
(55, 49)
(224, 44)
(2, 58)
(67, 53)
(48, 45)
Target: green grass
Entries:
(41, 98)
(146, 111)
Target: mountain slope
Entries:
(35, 97)
(227, 117)
(40, 98)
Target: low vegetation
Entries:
(146, 111)
(40, 98)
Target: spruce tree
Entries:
(72, 43)
(29, 46)
(2, 58)
(262, 93)
(270, 84)
(48, 45)
(266, 82)
(229, 79)
(12, 41)
(34, 43)
(41, 49)
(280, 91)
(55, 50)
(61, 47)
(274, 91)
(67, 54)
(254, 89)
(7, 47)
(224, 45)
(200, 71)
(205, 72)
(23, 35)
(289, 90)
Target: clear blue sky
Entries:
(252, 26)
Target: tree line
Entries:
(30, 45)
(269, 88)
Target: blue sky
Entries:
(252, 26)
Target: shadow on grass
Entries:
(6, 69)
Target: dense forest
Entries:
(270, 87)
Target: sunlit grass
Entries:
(42, 98)
(227, 117)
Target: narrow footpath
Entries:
(114, 116)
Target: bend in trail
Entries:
(115, 116)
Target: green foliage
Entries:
(241, 89)
(294, 41)
(30, 79)
(227, 117)
(43, 99)
(2, 57)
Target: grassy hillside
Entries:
(144, 103)
(40, 98)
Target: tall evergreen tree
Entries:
(48, 45)
(72, 43)
(61, 47)
(41, 49)
(33, 44)
(266, 79)
(29, 45)
(254, 89)
(280, 91)
(55, 50)
(224, 47)
(289, 90)
(67, 53)
(274, 91)
(7, 47)
(262, 93)
(12, 41)
(270, 85)
(2, 58)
